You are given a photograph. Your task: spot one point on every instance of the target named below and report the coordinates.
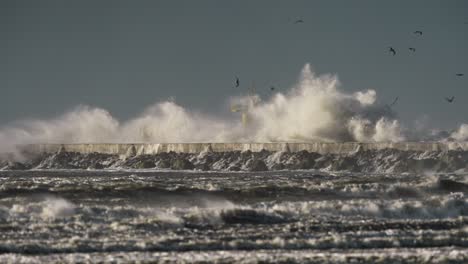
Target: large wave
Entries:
(313, 109)
(316, 109)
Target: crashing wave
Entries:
(316, 108)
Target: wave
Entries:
(323, 225)
(202, 209)
(364, 256)
(314, 109)
(45, 207)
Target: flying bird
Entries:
(392, 50)
(389, 106)
(459, 74)
(418, 32)
(237, 82)
(394, 102)
(450, 100)
(298, 21)
(412, 49)
(272, 88)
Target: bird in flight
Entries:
(272, 88)
(392, 50)
(418, 32)
(298, 21)
(394, 102)
(389, 106)
(237, 82)
(459, 74)
(450, 100)
(412, 49)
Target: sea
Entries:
(303, 216)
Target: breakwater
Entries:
(316, 147)
(355, 157)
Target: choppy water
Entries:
(301, 216)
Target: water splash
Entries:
(313, 109)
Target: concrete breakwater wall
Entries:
(318, 147)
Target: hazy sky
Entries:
(126, 55)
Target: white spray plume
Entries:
(367, 97)
(317, 110)
(169, 122)
(83, 124)
(461, 134)
(314, 109)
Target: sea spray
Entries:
(316, 108)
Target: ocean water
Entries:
(56, 216)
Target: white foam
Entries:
(57, 208)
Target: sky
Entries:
(125, 55)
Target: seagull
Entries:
(459, 74)
(392, 50)
(450, 100)
(412, 49)
(298, 21)
(237, 82)
(394, 102)
(418, 32)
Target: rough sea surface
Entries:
(56, 216)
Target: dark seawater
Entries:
(225, 217)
